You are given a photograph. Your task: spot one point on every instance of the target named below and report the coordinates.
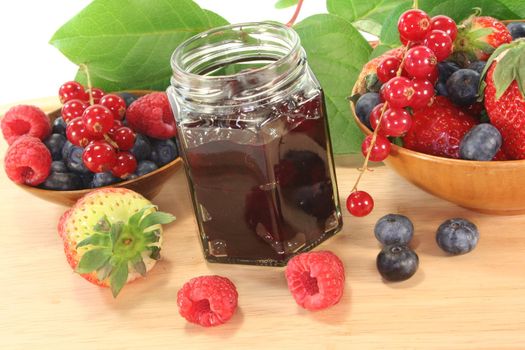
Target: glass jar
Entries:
(254, 137)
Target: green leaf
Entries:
(480, 33)
(102, 225)
(155, 252)
(381, 49)
(389, 34)
(152, 237)
(366, 15)
(138, 265)
(135, 218)
(118, 278)
(515, 6)
(521, 75)
(506, 71)
(336, 53)
(95, 239)
(282, 4)
(116, 230)
(128, 43)
(156, 218)
(104, 271)
(93, 259)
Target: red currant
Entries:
(433, 76)
(380, 150)
(413, 25)
(73, 109)
(420, 61)
(125, 166)
(396, 122)
(424, 92)
(359, 203)
(375, 115)
(445, 24)
(124, 137)
(97, 95)
(398, 92)
(99, 156)
(387, 69)
(98, 120)
(115, 104)
(71, 91)
(116, 124)
(440, 43)
(77, 133)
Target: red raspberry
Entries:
(28, 161)
(151, 115)
(316, 279)
(207, 300)
(25, 120)
(438, 129)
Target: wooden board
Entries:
(475, 301)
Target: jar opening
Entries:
(236, 62)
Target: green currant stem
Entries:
(296, 13)
(416, 4)
(364, 168)
(90, 87)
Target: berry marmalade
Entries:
(254, 137)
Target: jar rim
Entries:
(177, 56)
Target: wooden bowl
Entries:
(148, 185)
(495, 187)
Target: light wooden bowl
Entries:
(495, 187)
(148, 185)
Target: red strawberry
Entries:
(478, 37)
(368, 76)
(438, 129)
(505, 96)
(112, 236)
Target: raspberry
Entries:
(151, 115)
(207, 300)
(316, 279)
(28, 161)
(25, 120)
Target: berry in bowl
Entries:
(452, 105)
(125, 139)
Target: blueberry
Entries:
(142, 148)
(145, 166)
(446, 69)
(163, 152)
(441, 88)
(58, 166)
(462, 87)
(128, 97)
(59, 126)
(316, 199)
(516, 29)
(54, 144)
(478, 66)
(482, 142)
(394, 229)
(66, 149)
(87, 178)
(62, 182)
(364, 106)
(397, 262)
(457, 236)
(104, 179)
(74, 160)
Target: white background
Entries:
(31, 68)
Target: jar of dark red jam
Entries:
(254, 137)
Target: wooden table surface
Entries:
(475, 301)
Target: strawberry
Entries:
(438, 129)
(367, 80)
(504, 91)
(478, 37)
(112, 236)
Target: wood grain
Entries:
(473, 301)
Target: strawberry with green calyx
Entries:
(112, 236)
(504, 91)
(478, 37)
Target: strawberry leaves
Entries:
(113, 248)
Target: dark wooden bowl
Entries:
(148, 185)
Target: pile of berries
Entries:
(425, 96)
(99, 139)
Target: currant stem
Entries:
(416, 4)
(364, 168)
(90, 87)
(296, 13)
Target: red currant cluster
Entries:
(407, 85)
(94, 122)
